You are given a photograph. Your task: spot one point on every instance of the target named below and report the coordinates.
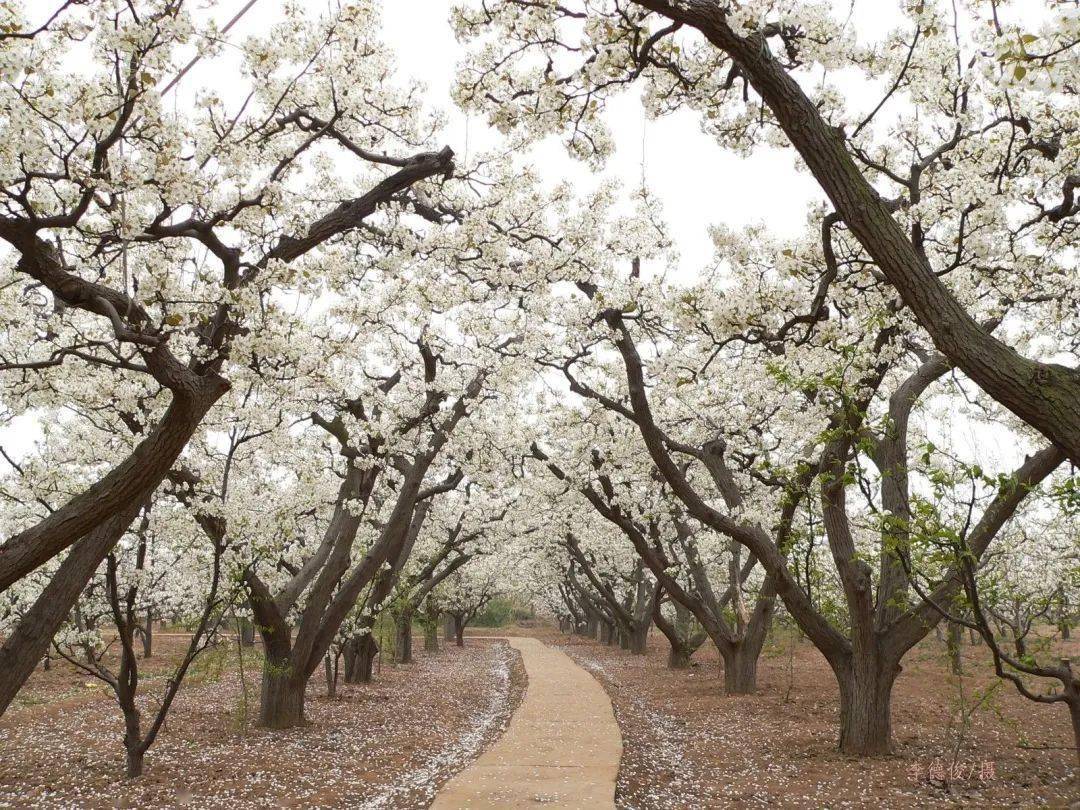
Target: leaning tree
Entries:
(783, 387)
(956, 176)
(149, 240)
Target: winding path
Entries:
(562, 748)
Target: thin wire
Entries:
(123, 197)
(644, 123)
(198, 56)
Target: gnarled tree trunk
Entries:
(431, 637)
(865, 705)
(281, 700)
(27, 643)
(740, 670)
(360, 652)
(403, 639)
(459, 630)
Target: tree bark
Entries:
(281, 701)
(122, 490)
(331, 677)
(1074, 715)
(25, 647)
(678, 656)
(247, 633)
(459, 631)
(133, 742)
(403, 638)
(866, 706)
(431, 637)
(133, 762)
(592, 629)
(360, 654)
(952, 639)
(148, 635)
(740, 668)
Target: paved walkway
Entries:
(562, 748)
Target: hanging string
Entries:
(644, 123)
(465, 161)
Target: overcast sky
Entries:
(698, 182)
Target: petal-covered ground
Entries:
(390, 744)
(970, 742)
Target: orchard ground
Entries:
(963, 741)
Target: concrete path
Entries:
(562, 748)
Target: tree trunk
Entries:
(133, 746)
(974, 639)
(148, 635)
(639, 638)
(431, 635)
(403, 639)
(683, 620)
(331, 677)
(679, 656)
(593, 627)
(281, 701)
(459, 630)
(247, 633)
(740, 669)
(26, 644)
(1074, 714)
(449, 632)
(866, 707)
(133, 762)
(365, 660)
(360, 652)
(681, 647)
(956, 661)
(350, 652)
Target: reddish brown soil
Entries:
(388, 744)
(687, 745)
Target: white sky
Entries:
(698, 182)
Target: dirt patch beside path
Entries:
(687, 745)
(389, 744)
